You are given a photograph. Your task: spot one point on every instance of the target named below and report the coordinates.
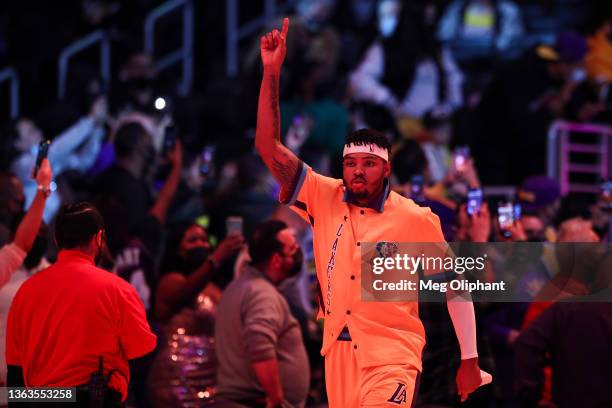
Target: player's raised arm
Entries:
(281, 161)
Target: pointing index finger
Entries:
(285, 26)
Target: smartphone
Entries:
(474, 201)
(416, 188)
(460, 157)
(43, 152)
(207, 160)
(505, 216)
(517, 211)
(170, 136)
(233, 225)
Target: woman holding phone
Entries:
(185, 306)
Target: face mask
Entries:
(195, 257)
(388, 15)
(296, 266)
(387, 25)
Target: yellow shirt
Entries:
(382, 332)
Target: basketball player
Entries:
(372, 349)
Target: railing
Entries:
(559, 164)
(234, 33)
(184, 54)
(9, 74)
(95, 38)
(509, 192)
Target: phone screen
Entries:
(207, 160)
(233, 225)
(505, 216)
(517, 212)
(416, 188)
(460, 157)
(43, 151)
(474, 201)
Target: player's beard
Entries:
(365, 192)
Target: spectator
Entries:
(598, 60)
(575, 263)
(11, 204)
(131, 259)
(517, 108)
(591, 100)
(12, 255)
(185, 306)
(188, 268)
(313, 90)
(74, 149)
(35, 261)
(264, 362)
(251, 196)
(480, 28)
(406, 69)
(574, 339)
(410, 170)
(540, 200)
(59, 337)
(356, 24)
(129, 181)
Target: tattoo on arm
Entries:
(274, 105)
(285, 167)
(281, 161)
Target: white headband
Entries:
(366, 148)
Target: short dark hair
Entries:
(368, 136)
(264, 242)
(76, 224)
(127, 138)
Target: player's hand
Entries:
(273, 48)
(44, 175)
(468, 377)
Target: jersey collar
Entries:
(377, 203)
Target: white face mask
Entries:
(388, 16)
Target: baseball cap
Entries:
(537, 192)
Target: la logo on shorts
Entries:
(399, 395)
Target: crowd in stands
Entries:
(465, 90)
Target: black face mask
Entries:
(296, 268)
(195, 257)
